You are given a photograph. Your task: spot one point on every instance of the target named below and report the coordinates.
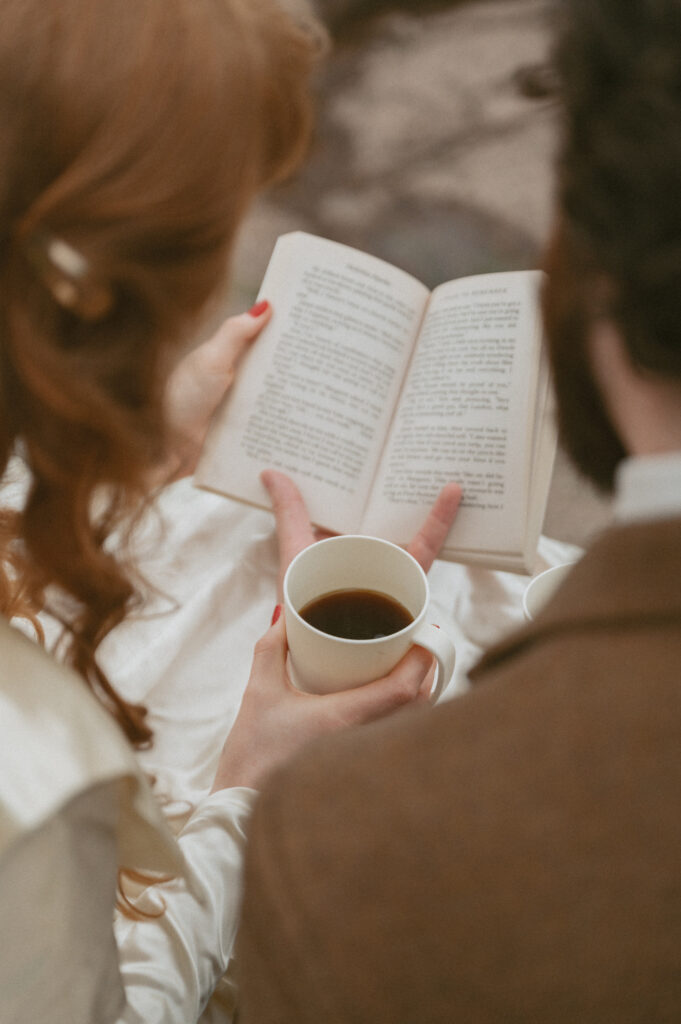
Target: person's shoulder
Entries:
(58, 743)
(50, 721)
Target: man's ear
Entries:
(615, 376)
(645, 408)
(608, 357)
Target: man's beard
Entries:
(585, 428)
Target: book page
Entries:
(467, 414)
(317, 391)
(544, 444)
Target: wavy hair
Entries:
(135, 133)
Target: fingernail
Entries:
(275, 614)
(259, 308)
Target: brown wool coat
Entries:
(513, 855)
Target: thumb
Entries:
(374, 700)
(269, 655)
(221, 353)
(198, 383)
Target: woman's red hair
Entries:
(136, 132)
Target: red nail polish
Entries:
(275, 614)
(259, 308)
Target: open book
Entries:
(372, 392)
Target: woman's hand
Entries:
(200, 381)
(295, 531)
(275, 720)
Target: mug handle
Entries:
(442, 648)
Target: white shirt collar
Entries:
(648, 487)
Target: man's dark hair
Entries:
(619, 185)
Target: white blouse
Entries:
(648, 487)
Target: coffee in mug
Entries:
(353, 606)
(356, 614)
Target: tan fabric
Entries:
(514, 855)
(57, 887)
(57, 742)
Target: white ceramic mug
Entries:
(541, 588)
(322, 663)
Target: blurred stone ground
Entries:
(434, 145)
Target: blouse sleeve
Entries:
(171, 963)
(57, 887)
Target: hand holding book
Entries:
(371, 393)
(295, 531)
(198, 384)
